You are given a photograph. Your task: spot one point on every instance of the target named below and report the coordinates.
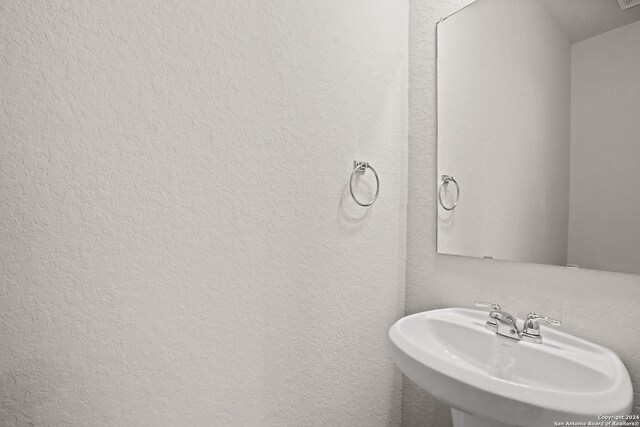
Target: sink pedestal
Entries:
(462, 419)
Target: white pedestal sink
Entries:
(493, 381)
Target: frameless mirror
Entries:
(539, 126)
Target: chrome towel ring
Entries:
(444, 182)
(361, 167)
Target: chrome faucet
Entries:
(505, 324)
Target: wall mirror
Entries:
(539, 127)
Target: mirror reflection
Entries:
(539, 126)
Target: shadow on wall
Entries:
(351, 218)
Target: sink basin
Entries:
(491, 380)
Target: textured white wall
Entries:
(599, 306)
(178, 242)
(503, 130)
(605, 151)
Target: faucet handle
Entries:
(532, 317)
(531, 330)
(490, 305)
(498, 319)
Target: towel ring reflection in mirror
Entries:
(444, 183)
(361, 167)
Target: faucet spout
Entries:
(504, 324)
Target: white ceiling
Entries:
(582, 19)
